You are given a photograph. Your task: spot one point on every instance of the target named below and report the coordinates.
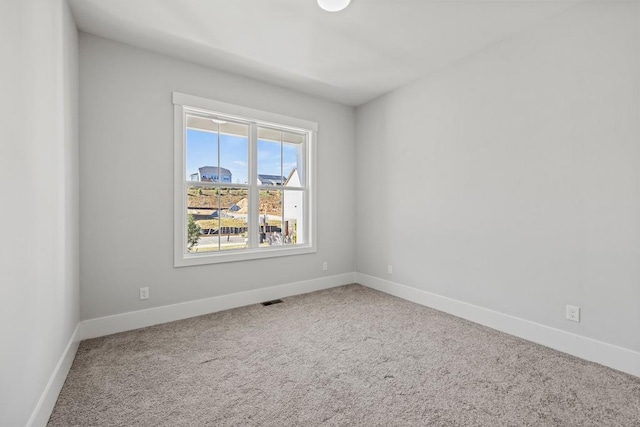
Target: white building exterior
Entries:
(293, 204)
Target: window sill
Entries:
(204, 258)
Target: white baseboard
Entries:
(108, 325)
(615, 357)
(44, 407)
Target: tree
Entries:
(193, 233)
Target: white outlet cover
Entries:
(573, 313)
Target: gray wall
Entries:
(127, 225)
(513, 182)
(39, 275)
(514, 176)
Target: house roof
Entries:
(293, 172)
(271, 179)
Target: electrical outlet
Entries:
(144, 293)
(573, 313)
(389, 269)
(325, 266)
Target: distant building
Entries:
(212, 174)
(293, 205)
(271, 179)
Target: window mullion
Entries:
(254, 191)
(219, 175)
(281, 179)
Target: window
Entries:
(244, 183)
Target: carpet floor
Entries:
(347, 356)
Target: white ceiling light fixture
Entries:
(333, 5)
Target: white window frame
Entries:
(183, 104)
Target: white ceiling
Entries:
(351, 57)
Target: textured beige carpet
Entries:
(346, 356)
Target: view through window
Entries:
(245, 185)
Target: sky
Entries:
(202, 150)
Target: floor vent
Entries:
(275, 301)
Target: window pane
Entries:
(234, 228)
(234, 152)
(293, 225)
(202, 154)
(269, 157)
(280, 153)
(202, 204)
(270, 217)
(220, 218)
(217, 150)
(293, 159)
